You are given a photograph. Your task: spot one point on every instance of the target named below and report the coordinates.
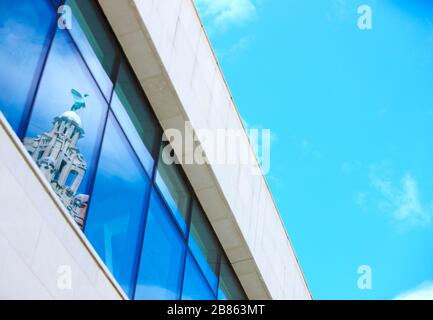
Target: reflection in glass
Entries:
(60, 160)
(195, 286)
(229, 287)
(172, 185)
(64, 71)
(204, 245)
(64, 136)
(24, 37)
(162, 256)
(116, 212)
(133, 111)
(95, 43)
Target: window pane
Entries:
(117, 209)
(195, 286)
(24, 37)
(133, 111)
(230, 288)
(57, 3)
(94, 41)
(204, 245)
(66, 125)
(171, 182)
(162, 256)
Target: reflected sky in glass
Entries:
(24, 29)
(91, 59)
(133, 136)
(162, 256)
(180, 215)
(133, 111)
(204, 245)
(229, 287)
(195, 286)
(95, 41)
(121, 186)
(117, 206)
(175, 191)
(64, 71)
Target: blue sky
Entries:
(351, 113)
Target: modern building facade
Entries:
(88, 207)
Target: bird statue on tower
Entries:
(80, 102)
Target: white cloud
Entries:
(361, 199)
(236, 49)
(401, 200)
(422, 292)
(224, 13)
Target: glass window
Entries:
(95, 43)
(204, 245)
(134, 114)
(67, 99)
(116, 213)
(195, 286)
(24, 38)
(229, 287)
(172, 184)
(162, 257)
(57, 3)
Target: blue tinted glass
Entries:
(132, 133)
(195, 286)
(116, 212)
(229, 286)
(24, 36)
(92, 60)
(57, 3)
(221, 295)
(162, 256)
(204, 245)
(173, 186)
(65, 71)
(134, 113)
(94, 42)
(174, 201)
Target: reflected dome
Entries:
(72, 116)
